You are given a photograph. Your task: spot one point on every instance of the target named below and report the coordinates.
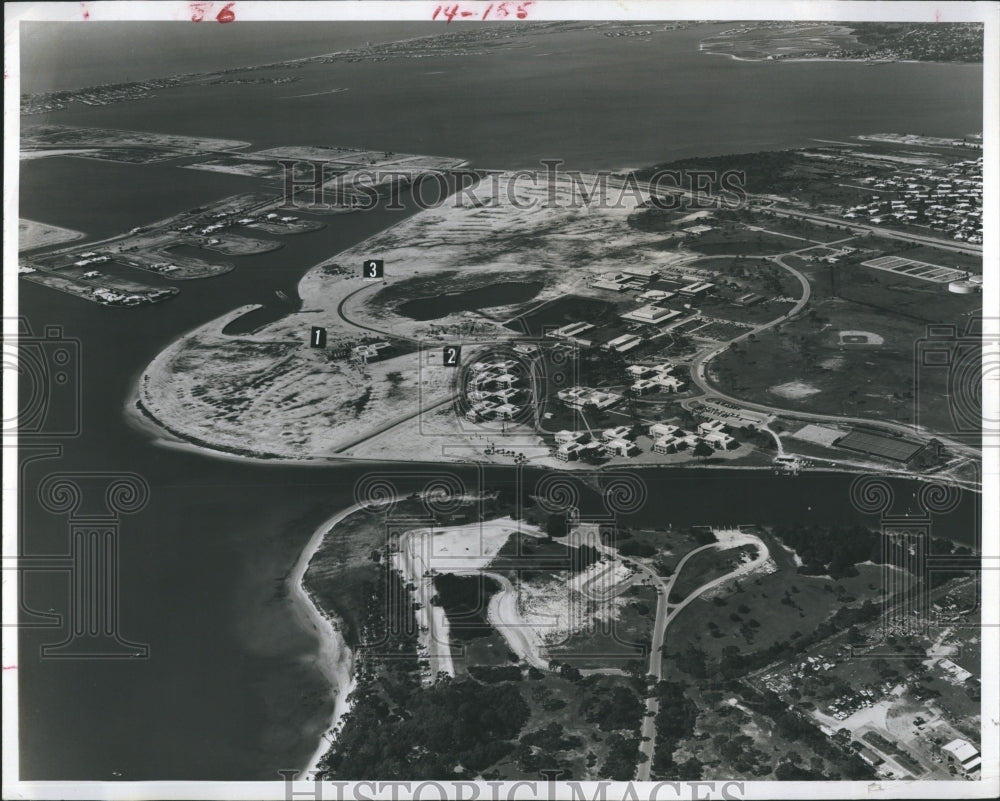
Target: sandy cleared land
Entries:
(31, 235)
(268, 393)
(556, 610)
(461, 550)
(38, 137)
(249, 169)
(531, 616)
(31, 155)
(794, 389)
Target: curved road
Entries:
(349, 321)
(700, 378)
(503, 616)
(665, 615)
(647, 731)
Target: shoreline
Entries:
(144, 420)
(800, 60)
(334, 658)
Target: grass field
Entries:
(710, 626)
(737, 240)
(874, 381)
(708, 566)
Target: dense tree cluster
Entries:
(452, 727)
(495, 673)
(795, 726)
(619, 709)
(832, 552)
(835, 551)
(465, 600)
(674, 722)
(623, 756)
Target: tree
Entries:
(703, 449)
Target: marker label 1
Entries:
(451, 355)
(317, 337)
(373, 268)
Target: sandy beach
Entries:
(335, 659)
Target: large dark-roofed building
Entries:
(895, 448)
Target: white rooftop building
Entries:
(651, 314)
(964, 753)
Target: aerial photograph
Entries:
(499, 400)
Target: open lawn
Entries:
(738, 240)
(871, 380)
(708, 566)
(785, 604)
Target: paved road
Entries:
(374, 432)
(945, 244)
(700, 378)
(666, 613)
(349, 321)
(761, 203)
(647, 732)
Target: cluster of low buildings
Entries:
(495, 390)
(93, 96)
(829, 255)
(114, 298)
(224, 219)
(955, 674)
(632, 277)
(783, 680)
(653, 378)
(578, 397)
(573, 445)
(369, 351)
(950, 200)
(669, 438)
(573, 333)
(162, 267)
(953, 607)
(91, 258)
